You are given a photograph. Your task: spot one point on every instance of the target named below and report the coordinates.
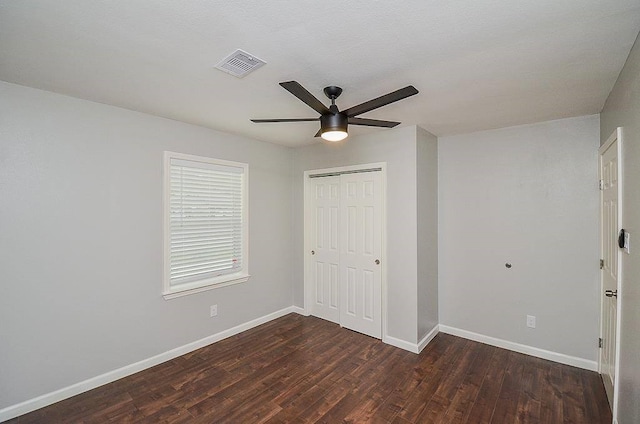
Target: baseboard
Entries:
(402, 344)
(300, 311)
(517, 347)
(411, 347)
(427, 339)
(86, 385)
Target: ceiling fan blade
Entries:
(403, 93)
(260, 121)
(300, 92)
(319, 133)
(372, 122)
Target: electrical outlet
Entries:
(213, 311)
(531, 321)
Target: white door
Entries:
(324, 273)
(360, 253)
(345, 231)
(609, 224)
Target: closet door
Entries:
(324, 273)
(360, 252)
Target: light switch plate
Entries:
(627, 242)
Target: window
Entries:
(205, 224)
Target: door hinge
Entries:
(601, 184)
(601, 263)
(600, 342)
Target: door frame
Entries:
(308, 231)
(615, 137)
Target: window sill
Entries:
(179, 292)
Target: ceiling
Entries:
(478, 64)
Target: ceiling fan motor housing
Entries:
(335, 121)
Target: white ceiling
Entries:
(478, 64)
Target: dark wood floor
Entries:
(303, 369)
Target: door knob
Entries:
(611, 293)
(377, 261)
(313, 252)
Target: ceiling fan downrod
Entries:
(332, 92)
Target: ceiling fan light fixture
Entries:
(334, 135)
(334, 126)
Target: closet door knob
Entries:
(313, 252)
(377, 261)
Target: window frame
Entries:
(172, 291)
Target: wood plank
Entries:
(507, 403)
(460, 406)
(528, 409)
(436, 352)
(422, 395)
(482, 409)
(573, 403)
(551, 394)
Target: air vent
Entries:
(240, 63)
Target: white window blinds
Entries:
(205, 221)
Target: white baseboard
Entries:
(411, 347)
(402, 344)
(427, 339)
(517, 347)
(299, 310)
(86, 385)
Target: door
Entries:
(324, 273)
(345, 213)
(610, 264)
(361, 247)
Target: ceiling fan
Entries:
(333, 122)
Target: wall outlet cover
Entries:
(531, 321)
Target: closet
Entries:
(344, 218)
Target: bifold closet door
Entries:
(346, 251)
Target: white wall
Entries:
(397, 147)
(622, 109)
(528, 196)
(427, 181)
(81, 240)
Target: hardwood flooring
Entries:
(302, 369)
